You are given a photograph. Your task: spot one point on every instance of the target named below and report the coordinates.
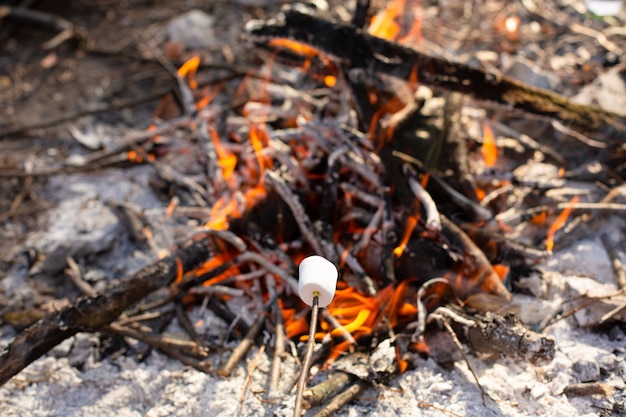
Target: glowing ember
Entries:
(207, 94)
(295, 47)
(511, 24)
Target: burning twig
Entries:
(480, 213)
(485, 277)
(433, 221)
(304, 223)
(525, 215)
(190, 188)
(378, 55)
(529, 142)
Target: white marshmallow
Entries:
(317, 274)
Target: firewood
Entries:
(364, 52)
(345, 397)
(319, 393)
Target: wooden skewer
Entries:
(306, 363)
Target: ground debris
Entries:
(491, 335)
(316, 151)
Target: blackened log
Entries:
(360, 13)
(358, 50)
(88, 314)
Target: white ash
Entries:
(71, 380)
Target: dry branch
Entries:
(89, 314)
(342, 399)
(361, 51)
(493, 335)
(67, 29)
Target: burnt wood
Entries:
(358, 50)
(88, 314)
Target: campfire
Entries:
(344, 139)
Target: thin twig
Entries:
(242, 348)
(187, 346)
(67, 29)
(251, 367)
(319, 393)
(444, 322)
(304, 223)
(522, 215)
(616, 262)
(279, 341)
(93, 108)
(75, 275)
(342, 399)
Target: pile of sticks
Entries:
(300, 169)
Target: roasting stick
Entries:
(316, 287)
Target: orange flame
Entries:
(480, 193)
(220, 212)
(384, 24)
(358, 314)
(559, 222)
(208, 95)
(226, 160)
(490, 150)
(540, 219)
(188, 69)
(259, 138)
(295, 47)
(411, 222)
(213, 263)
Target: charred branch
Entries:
(364, 52)
(88, 314)
(492, 335)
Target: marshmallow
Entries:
(319, 275)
